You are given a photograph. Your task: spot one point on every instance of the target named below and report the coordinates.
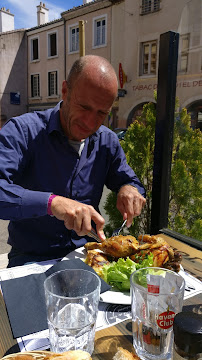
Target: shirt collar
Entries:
(54, 121)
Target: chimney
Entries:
(6, 20)
(42, 14)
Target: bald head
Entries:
(88, 95)
(93, 68)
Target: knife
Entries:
(93, 234)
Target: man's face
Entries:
(85, 107)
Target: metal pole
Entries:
(81, 38)
(165, 109)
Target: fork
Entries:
(116, 232)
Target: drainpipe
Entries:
(81, 38)
(65, 55)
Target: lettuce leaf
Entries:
(141, 278)
(118, 273)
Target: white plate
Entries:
(110, 296)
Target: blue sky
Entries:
(25, 10)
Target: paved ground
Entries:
(4, 247)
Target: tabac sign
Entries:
(180, 84)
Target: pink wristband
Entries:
(49, 211)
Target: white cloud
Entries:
(24, 12)
(54, 11)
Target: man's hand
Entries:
(77, 216)
(130, 203)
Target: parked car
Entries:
(120, 132)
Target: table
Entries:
(191, 257)
(108, 340)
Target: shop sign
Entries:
(122, 76)
(180, 84)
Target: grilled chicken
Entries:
(164, 255)
(161, 255)
(155, 242)
(174, 264)
(127, 246)
(97, 260)
(116, 246)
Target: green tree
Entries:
(186, 174)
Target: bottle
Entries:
(187, 328)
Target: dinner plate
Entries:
(110, 296)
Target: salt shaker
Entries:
(187, 328)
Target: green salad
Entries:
(117, 273)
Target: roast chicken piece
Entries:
(97, 260)
(174, 264)
(155, 242)
(161, 255)
(116, 246)
(164, 255)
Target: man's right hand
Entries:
(77, 216)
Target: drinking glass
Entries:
(156, 296)
(72, 298)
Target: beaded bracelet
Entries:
(49, 211)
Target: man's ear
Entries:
(64, 89)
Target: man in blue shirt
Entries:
(55, 163)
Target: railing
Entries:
(185, 239)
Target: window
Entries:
(73, 38)
(184, 47)
(149, 58)
(149, 6)
(100, 31)
(35, 91)
(52, 83)
(34, 49)
(200, 117)
(52, 44)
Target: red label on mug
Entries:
(165, 319)
(153, 288)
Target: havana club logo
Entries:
(165, 319)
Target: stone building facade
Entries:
(126, 32)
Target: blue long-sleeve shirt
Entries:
(37, 160)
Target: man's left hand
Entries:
(130, 203)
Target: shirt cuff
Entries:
(130, 185)
(141, 190)
(34, 203)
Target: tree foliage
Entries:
(185, 201)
